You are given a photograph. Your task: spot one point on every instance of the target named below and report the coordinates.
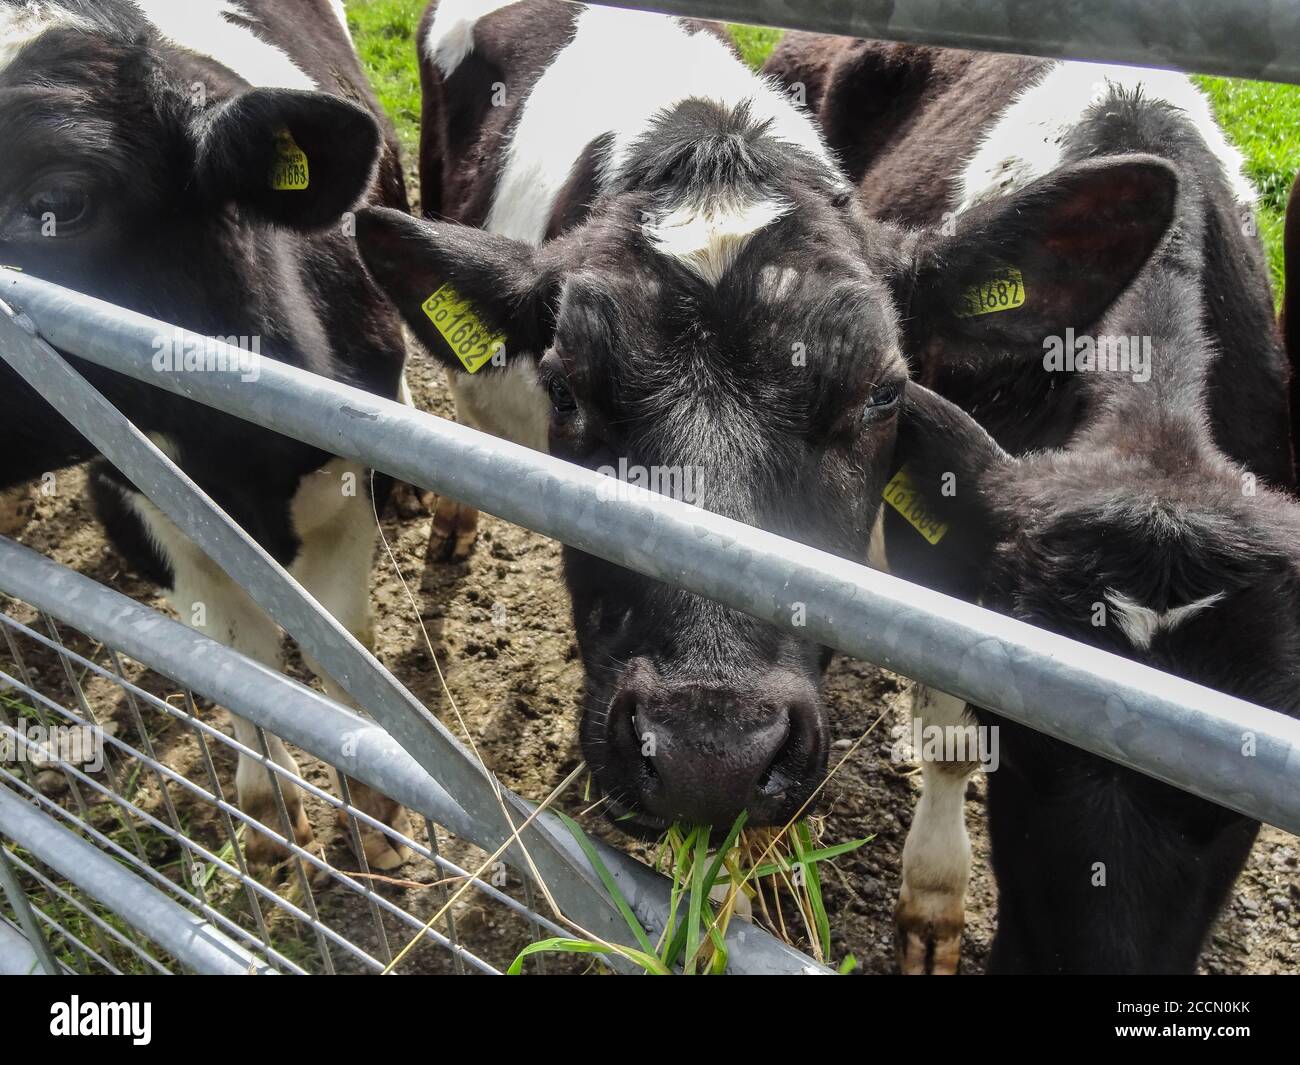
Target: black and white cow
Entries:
(684, 283)
(139, 141)
(1135, 501)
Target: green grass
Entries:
(755, 42)
(1263, 120)
(384, 31)
(757, 875)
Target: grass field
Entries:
(1263, 120)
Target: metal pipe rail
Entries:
(1181, 733)
(1257, 39)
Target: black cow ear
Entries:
(942, 512)
(471, 296)
(1051, 256)
(296, 159)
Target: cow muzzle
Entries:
(700, 752)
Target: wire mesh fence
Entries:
(143, 769)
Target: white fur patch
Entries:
(23, 23)
(621, 70)
(707, 238)
(1025, 143)
(451, 34)
(204, 27)
(1140, 624)
(509, 403)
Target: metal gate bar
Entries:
(1167, 727)
(1257, 39)
(17, 955)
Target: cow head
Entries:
(725, 320)
(146, 175)
(1170, 556)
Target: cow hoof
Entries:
(928, 938)
(454, 530)
(382, 853)
(260, 851)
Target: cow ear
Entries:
(296, 159)
(469, 295)
(942, 505)
(1028, 265)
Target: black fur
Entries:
(177, 220)
(1111, 486)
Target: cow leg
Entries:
(211, 602)
(17, 505)
(455, 524)
(334, 520)
(936, 857)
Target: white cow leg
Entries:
(936, 857)
(335, 523)
(209, 601)
(455, 524)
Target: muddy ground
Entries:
(500, 625)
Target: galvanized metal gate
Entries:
(111, 871)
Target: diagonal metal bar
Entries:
(292, 607)
(22, 908)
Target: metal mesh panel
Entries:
(142, 769)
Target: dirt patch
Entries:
(500, 624)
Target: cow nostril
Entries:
(789, 763)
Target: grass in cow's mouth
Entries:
(766, 875)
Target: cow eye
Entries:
(64, 200)
(562, 398)
(882, 400)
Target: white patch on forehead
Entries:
(1140, 624)
(204, 27)
(23, 23)
(451, 34)
(708, 238)
(620, 71)
(1025, 142)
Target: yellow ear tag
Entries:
(1002, 292)
(465, 333)
(289, 172)
(901, 494)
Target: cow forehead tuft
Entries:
(707, 237)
